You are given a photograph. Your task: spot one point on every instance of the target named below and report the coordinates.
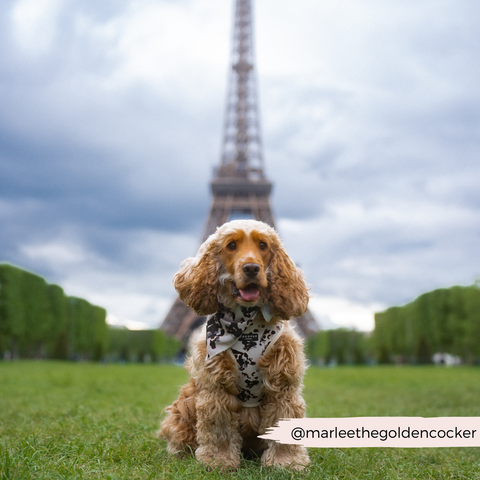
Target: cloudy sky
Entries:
(111, 116)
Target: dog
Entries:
(247, 362)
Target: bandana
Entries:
(246, 338)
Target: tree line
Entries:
(444, 321)
(141, 346)
(37, 320)
(341, 346)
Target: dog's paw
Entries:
(292, 457)
(223, 461)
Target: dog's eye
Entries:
(262, 245)
(232, 246)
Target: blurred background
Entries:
(111, 121)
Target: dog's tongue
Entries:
(251, 293)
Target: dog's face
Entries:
(244, 263)
(245, 258)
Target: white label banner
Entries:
(356, 432)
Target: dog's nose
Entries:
(251, 269)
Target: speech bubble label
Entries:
(361, 432)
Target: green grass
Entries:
(65, 421)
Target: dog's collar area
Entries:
(242, 313)
(267, 312)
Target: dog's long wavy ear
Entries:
(197, 281)
(288, 291)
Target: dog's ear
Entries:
(288, 291)
(197, 281)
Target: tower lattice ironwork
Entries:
(239, 187)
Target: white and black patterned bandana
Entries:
(246, 338)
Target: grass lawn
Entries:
(65, 420)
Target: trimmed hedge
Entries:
(37, 320)
(444, 320)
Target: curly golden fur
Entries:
(243, 263)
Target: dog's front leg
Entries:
(218, 432)
(287, 404)
(283, 367)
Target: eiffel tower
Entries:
(239, 186)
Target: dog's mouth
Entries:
(249, 294)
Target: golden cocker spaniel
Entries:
(247, 362)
